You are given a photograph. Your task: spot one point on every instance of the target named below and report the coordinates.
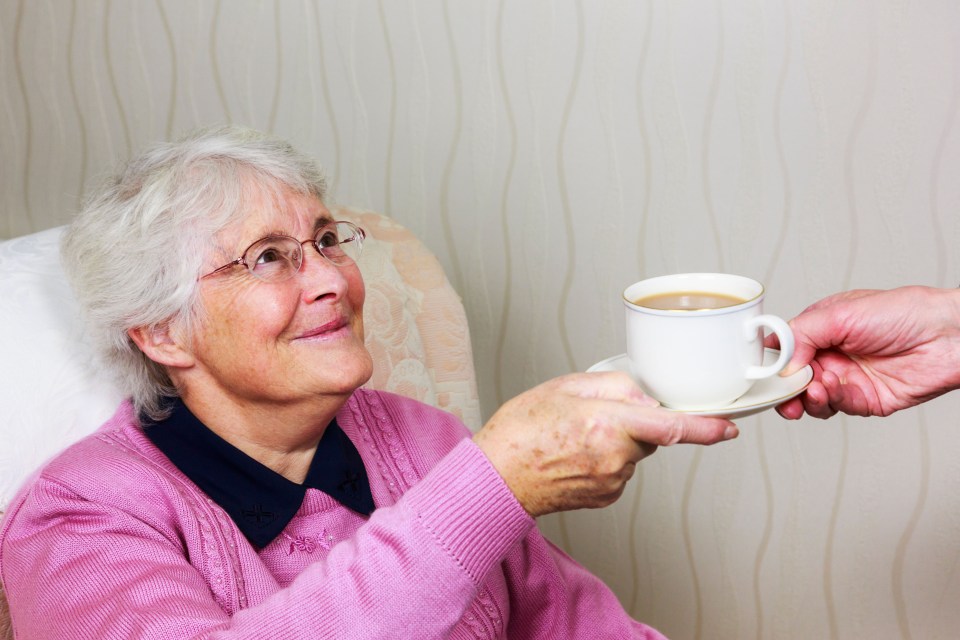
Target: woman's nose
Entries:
(319, 276)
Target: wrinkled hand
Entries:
(876, 352)
(574, 441)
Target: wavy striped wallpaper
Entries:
(551, 152)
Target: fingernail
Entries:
(730, 433)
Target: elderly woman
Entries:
(249, 488)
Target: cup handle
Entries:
(782, 329)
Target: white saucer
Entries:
(764, 394)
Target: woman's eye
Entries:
(269, 255)
(328, 239)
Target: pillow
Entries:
(51, 392)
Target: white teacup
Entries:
(700, 353)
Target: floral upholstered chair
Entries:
(52, 395)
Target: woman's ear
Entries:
(160, 345)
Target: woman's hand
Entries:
(573, 442)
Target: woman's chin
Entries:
(367, 372)
(351, 373)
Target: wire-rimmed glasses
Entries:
(277, 258)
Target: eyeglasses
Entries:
(278, 258)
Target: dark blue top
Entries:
(259, 500)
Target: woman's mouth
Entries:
(329, 330)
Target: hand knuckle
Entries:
(674, 433)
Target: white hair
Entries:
(135, 251)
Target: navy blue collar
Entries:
(259, 500)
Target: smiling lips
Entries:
(328, 330)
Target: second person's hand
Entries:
(876, 352)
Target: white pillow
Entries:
(51, 393)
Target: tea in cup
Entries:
(695, 340)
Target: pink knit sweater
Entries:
(111, 540)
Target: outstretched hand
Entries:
(574, 441)
(876, 352)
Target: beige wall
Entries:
(552, 152)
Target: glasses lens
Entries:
(274, 258)
(340, 242)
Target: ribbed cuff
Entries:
(468, 508)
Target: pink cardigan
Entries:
(111, 540)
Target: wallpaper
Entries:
(551, 152)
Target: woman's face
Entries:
(283, 342)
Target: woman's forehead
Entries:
(292, 214)
(284, 208)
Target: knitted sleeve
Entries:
(552, 596)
